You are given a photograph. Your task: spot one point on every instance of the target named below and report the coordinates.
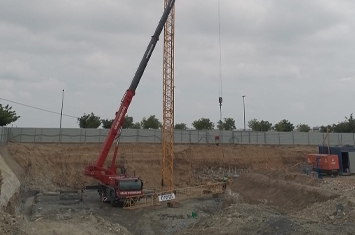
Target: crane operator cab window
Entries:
(130, 185)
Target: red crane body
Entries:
(97, 170)
(113, 186)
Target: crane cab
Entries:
(120, 188)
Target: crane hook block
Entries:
(220, 100)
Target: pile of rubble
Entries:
(242, 218)
(112, 228)
(9, 224)
(336, 211)
(339, 185)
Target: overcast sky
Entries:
(292, 59)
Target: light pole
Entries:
(244, 109)
(61, 115)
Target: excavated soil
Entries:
(258, 204)
(267, 193)
(286, 196)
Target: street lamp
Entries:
(61, 115)
(61, 111)
(244, 109)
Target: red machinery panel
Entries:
(325, 162)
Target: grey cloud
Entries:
(289, 58)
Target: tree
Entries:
(203, 124)
(284, 126)
(127, 122)
(220, 125)
(262, 125)
(347, 126)
(228, 124)
(151, 123)
(180, 126)
(136, 125)
(324, 128)
(89, 121)
(303, 128)
(7, 115)
(106, 123)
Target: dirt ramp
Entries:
(286, 196)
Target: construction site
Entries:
(214, 187)
(43, 188)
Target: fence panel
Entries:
(346, 139)
(234, 138)
(3, 135)
(226, 137)
(253, 137)
(130, 136)
(49, 135)
(178, 136)
(286, 138)
(261, 137)
(301, 138)
(244, 137)
(316, 138)
(272, 138)
(193, 136)
(334, 139)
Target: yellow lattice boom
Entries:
(168, 102)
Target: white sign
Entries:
(166, 197)
(130, 192)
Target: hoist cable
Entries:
(220, 62)
(220, 50)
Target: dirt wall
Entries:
(49, 166)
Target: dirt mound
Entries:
(338, 211)
(239, 217)
(245, 219)
(285, 195)
(242, 218)
(89, 224)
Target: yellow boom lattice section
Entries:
(151, 199)
(168, 102)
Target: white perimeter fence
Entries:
(77, 135)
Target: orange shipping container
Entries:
(325, 163)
